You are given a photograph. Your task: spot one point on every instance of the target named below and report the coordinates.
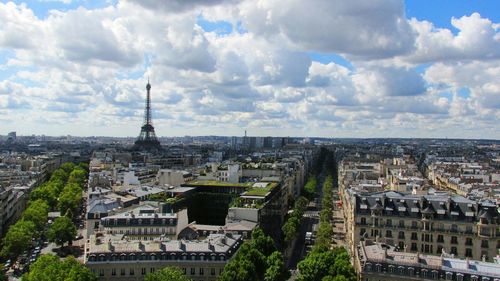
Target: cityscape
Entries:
(249, 140)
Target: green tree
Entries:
(47, 192)
(77, 176)
(62, 231)
(239, 270)
(18, 238)
(50, 268)
(2, 276)
(290, 228)
(315, 266)
(70, 199)
(37, 213)
(276, 270)
(167, 274)
(310, 187)
(59, 175)
(262, 243)
(67, 167)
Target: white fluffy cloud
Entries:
(346, 27)
(84, 71)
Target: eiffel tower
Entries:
(147, 139)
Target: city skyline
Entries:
(333, 69)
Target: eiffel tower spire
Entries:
(147, 138)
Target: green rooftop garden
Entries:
(260, 191)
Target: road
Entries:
(310, 217)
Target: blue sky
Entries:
(336, 68)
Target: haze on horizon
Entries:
(381, 68)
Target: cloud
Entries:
(478, 39)
(173, 6)
(85, 70)
(346, 27)
(373, 82)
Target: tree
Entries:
(62, 231)
(315, 266)
(37, 213)
(239, 270)
(77, 176)
(276, 270)
(60, 175)
(310, 187)
(167, 274)
(262, 243)
(18, 238)
(67, 167)
(70, 198)
(49, 268)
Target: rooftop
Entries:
(216, 183)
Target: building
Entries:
(114, 257)
(12, 204)
(145, 223)
(378, 261)
(431, 224)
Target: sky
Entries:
(343, 68)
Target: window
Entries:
(152, 270)
(389, 222)
(363, 220)
(101, 272)
(401, 245)
(401, 223)
(122, 271)
(113, 271)
(143, 271)
(212, 271)
(439, 250)
(484, 243)
(388, 233)
(468, 241)
(193, 271)
(468, 252)
(414, 224)
(440, 239)
(414, 236)
(454, 250)
(132, 271)
(414, 247)
(449, 275)
(454, 240)
(362, 232)
(401, 235)
(201, 271)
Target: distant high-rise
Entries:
(147, 139)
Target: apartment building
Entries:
(114, 257)
(431, 224)
(145, 223)
(377, 261)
